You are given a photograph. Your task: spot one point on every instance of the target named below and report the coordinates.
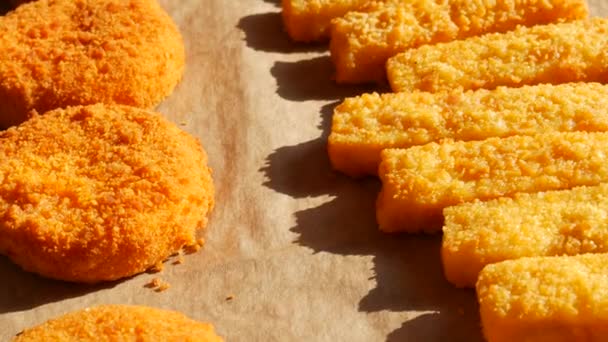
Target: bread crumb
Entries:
(153, 283)
(229, 297)
(163, 287)
(158, 285)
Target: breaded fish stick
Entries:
(309, 20)
(361, 42)
(556, 53)
(557, 299)
(566, 222)
(417, 183)
(363, 126)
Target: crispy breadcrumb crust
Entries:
(59, 53)
(419, 182)
(362, 42)
(309, 20)
(561, 299)
(567, 222)
(363, 126)
(101, 192)
(121, 323)
(556, 53)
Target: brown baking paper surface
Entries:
(292, 250)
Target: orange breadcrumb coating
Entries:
(101, 192)
(557, 299)
(58, 53)
(363, 126)
(566, 222)
(556, 53)
(361, 42)
(121, 323)
(309, 20)
(419, 182)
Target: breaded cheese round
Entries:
(100, 192)
(60, 53)
(121, 323)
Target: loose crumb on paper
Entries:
(163, 287)
(158, 285)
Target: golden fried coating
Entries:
(545, 299)
(419, 182)
(565, 222)
(555, 53)
(309, 20)
(100, 192)
(363, 126)
(121, 323)
(361, 42)
(59, 53)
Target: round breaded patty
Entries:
(121, 323)
(100, 192)
(59, 53)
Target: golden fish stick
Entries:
(557, 299)
(417, 183)
(309, 20)
(566, 222)
(363, 126)
(361, 42)
(556, 53)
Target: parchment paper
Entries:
(293, 243)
